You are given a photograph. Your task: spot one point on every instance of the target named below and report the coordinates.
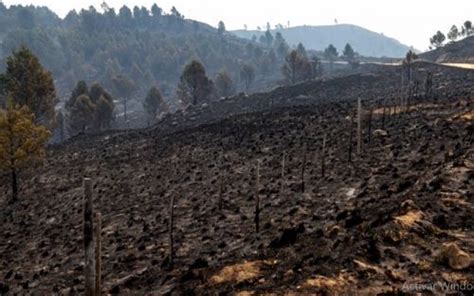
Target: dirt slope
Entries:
(369, 226)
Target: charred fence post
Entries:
(395, 104)
(359, 127)
(323, 158)
(369, 127)
(390, 109)
(402, 88)
(416, 93)
(383, 113)
(221, 184)
(170, 231)
(257, 197)
(303, 168)
(221, 190)
(428, 86)
(351, 136)
(98, 253)
(283, 159)
(89, 247)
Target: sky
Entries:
(412, 22)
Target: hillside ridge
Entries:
(364, 41)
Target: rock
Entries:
(380, 133)
(409, 205)
(115, 290)
(435, 184)
(288, 237)
(404, 185)
(199, 263)
(18, 276)
(440, 221)
(456, 258)
(66, 291)
(333, 231)
(354, 219)
(4, 288)
(373, 253)
(9, 274)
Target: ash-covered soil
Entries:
(368, 226)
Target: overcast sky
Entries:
(410, 21)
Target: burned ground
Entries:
(369, 225)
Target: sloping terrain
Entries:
(370, 225)
(457, 52)
(365, 42)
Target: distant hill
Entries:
(150, 47)
(457, 52)
(365, 42)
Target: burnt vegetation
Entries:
(354, 182)
(238, 196)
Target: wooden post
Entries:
(359, 126)
(89, 247)
(221, 190)
(303, 168)
(257, 197)
(383, 114)
(221, 182)
(351, 136)
(402, 84)
(323, 158)
(171, 222)
(390, 109)
(370, 126)
(282, 171)
(98, 253)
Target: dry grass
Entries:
(334, 284)
(468, 116)
(463, 116)
(409, 219)
(245, 293)
(364, 266)
(241, 272)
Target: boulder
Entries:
(456, 258)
